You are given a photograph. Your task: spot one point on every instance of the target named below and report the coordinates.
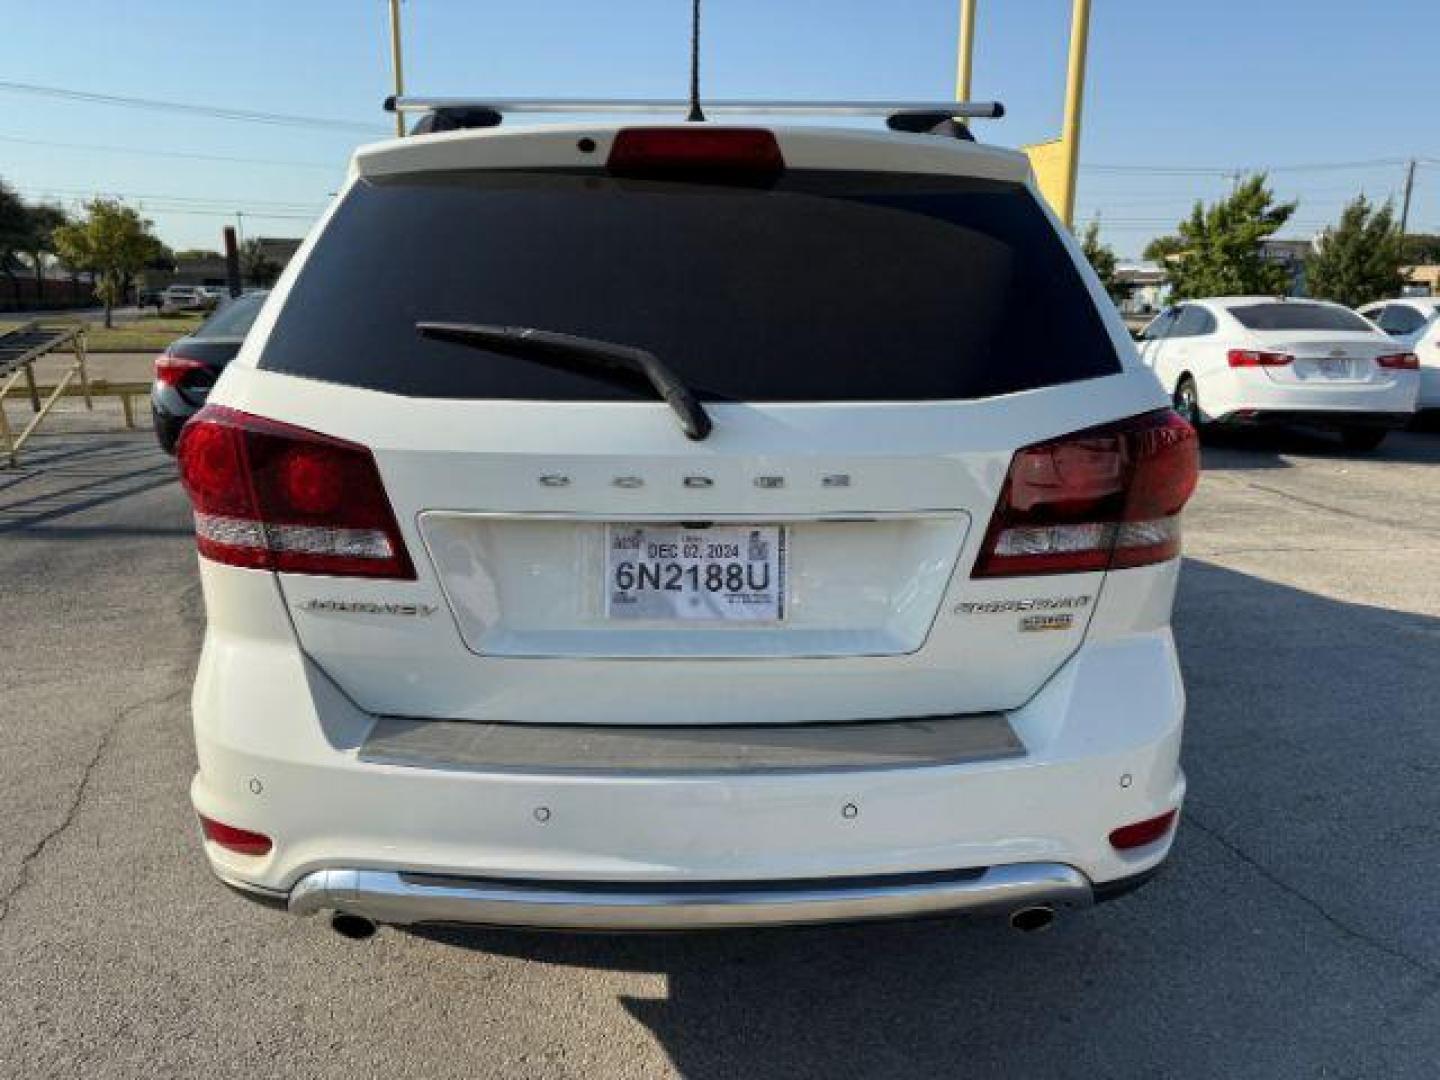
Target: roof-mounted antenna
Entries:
(696, 115)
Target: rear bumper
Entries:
(402, 899)
(371, 818)
(1248, 395)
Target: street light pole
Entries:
(966, 57)
(397, 65)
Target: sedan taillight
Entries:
(172, 370)
(1100, 499)
(1405, 361)
(270, 496)
(1257, 358)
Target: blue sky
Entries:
(1179, 94)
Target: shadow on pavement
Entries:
(1266, 447)
(1285, 939)
(64, 475)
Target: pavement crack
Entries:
(72, 811)
(1310, 902)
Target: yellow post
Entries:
(1074, 102)
(1056, 162)
(397, 64)
(966, 57)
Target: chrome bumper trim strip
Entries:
(398, 898)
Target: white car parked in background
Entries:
(1265, 359)
(1414, 322)
(665, 527)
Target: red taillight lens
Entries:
(1405, 361)
(171, 370)
(752, 151)
(1104, 498)
(240, 841)
(1141, 833)
(274, 497)
(1257, 358)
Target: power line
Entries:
(151, 152)
(217, 112)
(214, 200)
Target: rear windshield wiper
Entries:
(585, 354)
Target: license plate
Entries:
(1333, 368)
(723, 573)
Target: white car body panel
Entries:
(297, 669)
(1423, 342)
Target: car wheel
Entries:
(1187, 401)
(1362, 438)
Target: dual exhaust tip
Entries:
(1027, 920)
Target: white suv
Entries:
(687, 526)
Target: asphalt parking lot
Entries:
(1295, 933)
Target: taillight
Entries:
(743, 151)
(1405, 361)
(240, 841)
(1140, 833)
(172, 370)
(1100, 499)
(1257, 358)
(274, 497)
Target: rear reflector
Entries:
(240, 841)
(171, 370)
(1100, 499)
(1140, 833)
(274, 497)
(1405, 361)
(750, 151)
(1257, 358)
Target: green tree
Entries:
(1162, 247)
(1102, 259)
(1217, 249)
(257, 266)
(14, 234)
(1359, 260)
(40, 239)
(113, 242)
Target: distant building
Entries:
(208, 267)
(1145, 287)
(1291, 254)
(1423, 280)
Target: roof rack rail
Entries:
(955, 110)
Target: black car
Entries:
(185, 372)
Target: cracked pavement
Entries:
(1294, 934)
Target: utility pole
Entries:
(397, 65)
(240, 226)
(1405, 202)
(966, 57)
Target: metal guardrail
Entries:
(19, 349)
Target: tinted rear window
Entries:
(1292, 316)
(824, 286)
(232, 320)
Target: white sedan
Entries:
(1414, 323)
(1265, 359)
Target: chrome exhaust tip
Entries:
(354, 927)
(1029, 920)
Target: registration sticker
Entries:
(719, 573)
